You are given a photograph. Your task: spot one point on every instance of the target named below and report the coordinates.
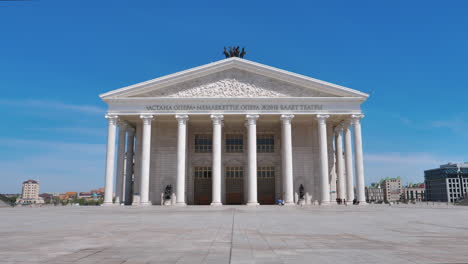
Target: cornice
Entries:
(175, 99)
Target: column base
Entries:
(107, 204)
(363, 203)
(145, 204)
(252, 204)
(180, 204)
(325, 203)
(216, 204)
(289, 204)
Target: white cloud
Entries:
(45, 104)
(456, 125)
(59, 166)
(409, 166)
(87, 131)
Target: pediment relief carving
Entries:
(233, 83)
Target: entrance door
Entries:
(266, 184)
(202, 186)
(234, 185)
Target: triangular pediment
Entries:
(233, 83)
(236, 78)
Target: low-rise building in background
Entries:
(414, 192)
(392, 189)
(374, 193)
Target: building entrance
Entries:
(266, 184)
(234, 185)
(202, 185)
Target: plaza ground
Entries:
(235, 234)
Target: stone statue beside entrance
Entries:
(167, 196)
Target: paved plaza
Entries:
(237, 234)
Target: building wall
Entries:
(163, 168)
(30, 191)
(448, 183)
(414, 194)
(331, 161)
(305, 159)
(137, 167)
(374, 194)
(392, 189)
(205, 127)
(436, 189)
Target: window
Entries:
(265, 143)
(266, 172)
(234, 172)
(234, 143)
(203, 143)
(202, 172)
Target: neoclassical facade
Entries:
(234, 132)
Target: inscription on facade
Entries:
(228, 107)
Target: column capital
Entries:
(251, 119)
(356, 118)
(182, 119)
(287, 118)
(322, 118)
(112, 119)
(146, 119)
(217, 119)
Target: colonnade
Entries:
(344, 159)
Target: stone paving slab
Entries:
(235, 234)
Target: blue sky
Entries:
(57, 56)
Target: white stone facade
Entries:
(232, 132)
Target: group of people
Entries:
(338, 201)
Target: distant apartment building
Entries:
(391, 189)
(414, 192)
(374, 194)
(30, 193)
(448, 183)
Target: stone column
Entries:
(110, 156)
(145, 160)
(129, 165)
(324, 183)
(340, 167)
(119, 183)
(286, 148)
(348, 163)
(252, 157)
(358, 159)
(181, 155)
(216, 169)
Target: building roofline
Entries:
(229, 63)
